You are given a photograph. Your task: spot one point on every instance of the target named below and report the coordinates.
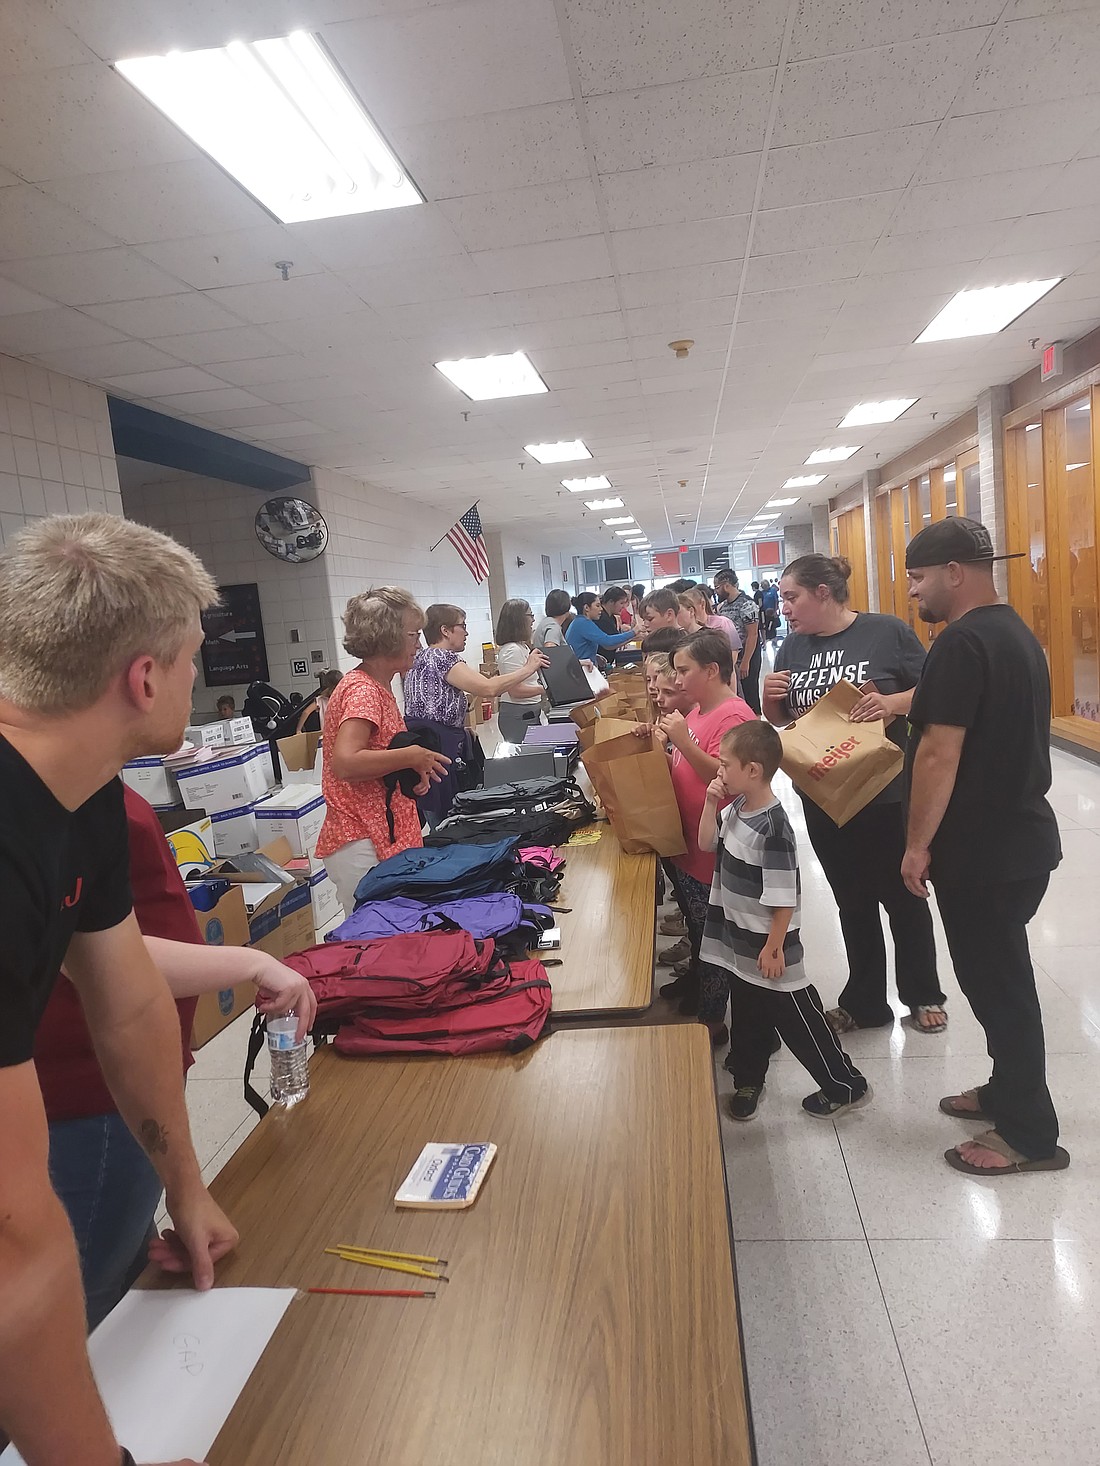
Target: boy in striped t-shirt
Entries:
(752, 932)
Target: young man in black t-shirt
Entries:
(99, 626)
(981, 830)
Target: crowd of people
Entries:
(100, 621)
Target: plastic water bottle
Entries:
(289, 1064)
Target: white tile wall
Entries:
(56, 451)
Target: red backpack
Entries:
(439, 992)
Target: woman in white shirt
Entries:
(522, 705)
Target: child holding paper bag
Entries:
(752, 932)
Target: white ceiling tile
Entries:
(286, 300)
(647, 347)
(620, 45)
(406, 282)
(266, 415)
(780, 231)
(842, 96)
(973, 200)
(436, 65)
(1041, 59)
(96, 277)
(1009, 139)
(1030, 264)
(769, 305)
(576, 331)
(167, 201)
(1068, 186)
(703, 241)
(354, 327)
(81, 119)
(511, 217)
(32, 224)
(260, 369)
(52, 330)
(933, 247)
(160, 383)
(243, 257)
(167, 315)
(675, 193)
(205, 348)
(808, 267)
(671, 286)
(824, 28)
(557, 302)
(844, 167)
(450, 323)
(555, 262)
(679, 124)
(15, 299)
(525, 147)
(382, 237)
(1055, 229)
(217, 399)
(676, 322)
(96, 363)
(31, 39)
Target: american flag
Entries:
(467, 540)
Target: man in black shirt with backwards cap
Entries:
(981, 830)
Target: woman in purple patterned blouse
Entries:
(437, 684)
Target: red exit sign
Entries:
(1052, 361)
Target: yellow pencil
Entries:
(385, 1252)
(381, 1262)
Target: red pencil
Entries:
(374, 1292)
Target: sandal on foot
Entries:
(1017, 1164)
(923, 1008)
(949, 1106)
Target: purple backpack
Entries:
(482, 916)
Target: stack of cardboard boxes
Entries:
(278, 904)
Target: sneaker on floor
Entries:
(672, 926)
(745, 1102)
(676, 953)
(821, 1107)
(680, 984)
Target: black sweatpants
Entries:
(750, 684)
(799, 1019)
(862, 863)
(986, 930)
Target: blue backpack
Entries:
(445, 873)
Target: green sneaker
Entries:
(745, 1102)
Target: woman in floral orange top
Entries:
(381, 626)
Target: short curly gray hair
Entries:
(374, 622)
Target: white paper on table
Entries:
(170, 1366)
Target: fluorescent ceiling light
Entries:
(985, 311)
(595, 504)
(586, 485)
(949, 475)
(280, 119)
(831, 455)
(621, 519)
(485, 377)
(805, 481)
(630, 534)
(877, 412)
(641, 545)
(1071, 466)
(1033, 427)
(557, 452)
(764, 518)
(780, 503)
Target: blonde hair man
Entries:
(99, 625)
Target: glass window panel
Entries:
(950, 485)
(971, 500)
(1037, 532)
(924, 498)
(1080, 516)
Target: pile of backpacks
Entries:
(433, 960)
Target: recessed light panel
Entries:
(831, 455)
(621, 519)
(630, 534)
(280, 119)
(780, 503)
(865, 413)
(586, 485)
(557, 452)
(596, 504)
(986, 311)
(483, 378)
(804, 481)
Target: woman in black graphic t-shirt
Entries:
(829, 643)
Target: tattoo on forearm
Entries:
(154, 1137)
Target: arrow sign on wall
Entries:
(238, 636)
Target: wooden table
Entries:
(591, 1318)
(607, 939)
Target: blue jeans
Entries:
(110, 1191)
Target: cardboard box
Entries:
(234, 831)
(219, 779)
(295, 814)
(215, 1011)
(221, 916)
(279, 915)
(149, 778)
(238, 730)
(301, 758)
(193, 845)
(326, 901)
(207, 735)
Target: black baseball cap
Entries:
(955, 541)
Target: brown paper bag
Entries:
(840, 765)
(630, 774)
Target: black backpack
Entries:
(407, 779)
